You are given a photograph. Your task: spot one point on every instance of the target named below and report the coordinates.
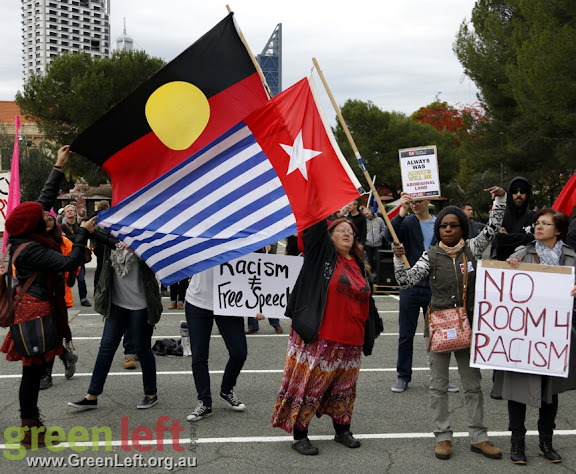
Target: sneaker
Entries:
(129, 363)
(443, 450)
(400, 385)
(45, 381)
(453, 388)
(147, 402)
(69, 361)
(199, 412)
(233, 401)
(84, 404)
(487, 449)
(85, 302)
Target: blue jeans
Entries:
(200, 322)
(114, 328)
(82, 290)
(411, 301)
(253, 323)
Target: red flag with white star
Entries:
(277, 172)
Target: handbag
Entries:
(87, 255)
(450, 329)
(35, 337)
(9, 296)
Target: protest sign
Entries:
(255, 283)
(4, 186)
(419, 167)
(522, 318)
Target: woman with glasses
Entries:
(444, 264)
(539, 391)
(334, 320)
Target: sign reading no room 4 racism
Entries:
(522, 318)
(255, 283)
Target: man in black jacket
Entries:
(516, 227)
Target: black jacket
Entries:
(308, 299)
(36, 257)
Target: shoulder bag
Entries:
(449, 328)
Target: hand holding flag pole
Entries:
(359, 158)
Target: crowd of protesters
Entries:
(333, 315)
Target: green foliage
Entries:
(520, 55)
(379, 135)
(76, 91)
(35, 166)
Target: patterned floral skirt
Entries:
(29, 308)
(319, 378)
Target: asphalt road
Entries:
(395, 429)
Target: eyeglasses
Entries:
(453, 226)
(541, 224)
(519, 191)
(344, 231)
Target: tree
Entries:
(78, 89)
(519, 53)
(379, 135)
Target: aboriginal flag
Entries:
(186, 105)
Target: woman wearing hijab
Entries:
(334, 320)
(538, 391)
(444, 263)
(45, 296)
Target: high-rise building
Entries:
(53, 27)
(124, 42)
(270, 61)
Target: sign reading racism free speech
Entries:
(255, 283)
(522, 318)
(419, 167)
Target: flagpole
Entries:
(252, 57)
(359, 158)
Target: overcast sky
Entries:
(397, 54)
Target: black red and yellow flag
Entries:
(195, 98)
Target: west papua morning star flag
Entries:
(276, 172)
(566, 200)
(183, 107)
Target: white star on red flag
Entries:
(299, 155)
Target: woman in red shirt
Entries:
(327, 336)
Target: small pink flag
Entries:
(14, 188)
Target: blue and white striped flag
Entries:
(272, 174)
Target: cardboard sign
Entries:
(255, 283)
(522, 318)
(419, 167)
(4, 186)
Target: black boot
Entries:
(548, 451)
(517, 453)
(46, 380)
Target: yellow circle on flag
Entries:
(177, 113)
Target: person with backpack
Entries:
(45, 294)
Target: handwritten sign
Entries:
(522, 318)
(4, 186)
(255, 283)
(419, 167)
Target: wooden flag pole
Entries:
(359, 158)
(252, 57)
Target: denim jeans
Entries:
(114, 328)
(411, 301)
(200, 322)
(82, 290)
(253, 323)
